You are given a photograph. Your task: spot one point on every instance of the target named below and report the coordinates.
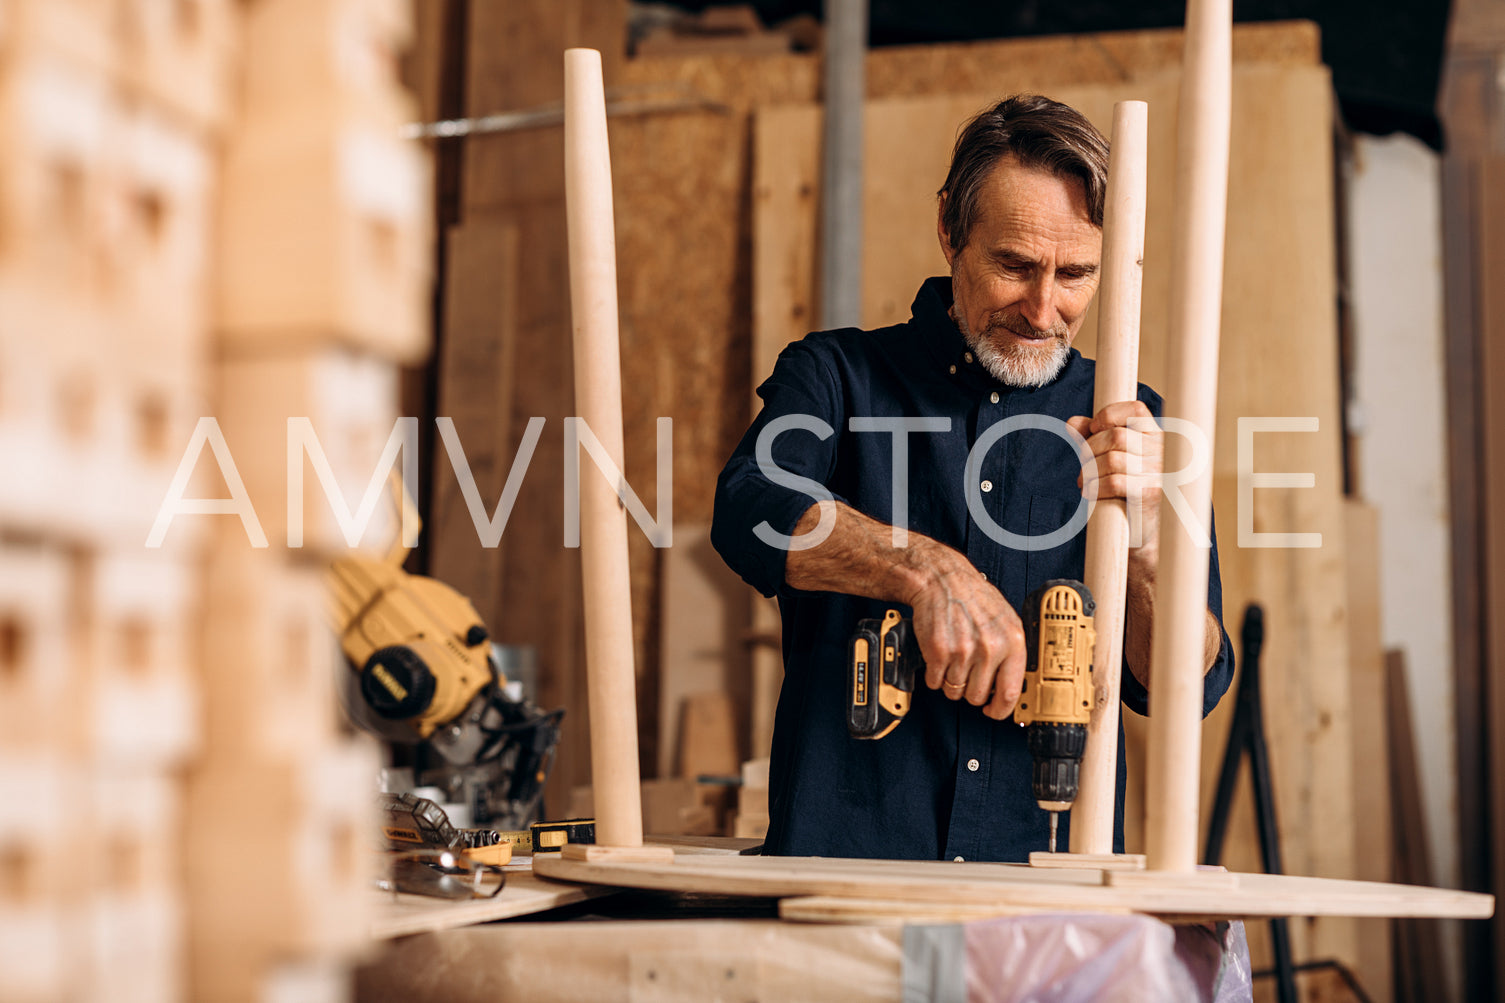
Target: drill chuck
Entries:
(1056, 750)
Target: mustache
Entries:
(1011, 321)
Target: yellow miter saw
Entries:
(426, 675)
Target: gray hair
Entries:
(1039, 133)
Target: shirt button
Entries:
(987, 486)
(994, 398)
(967, 356)
(953, 370)
(972, 765)
(959, 859)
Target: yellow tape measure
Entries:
(549, 837)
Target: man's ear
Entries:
(940, 229)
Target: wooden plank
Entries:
(1465, 517)
(1491, 285)
(1373, 852)
(401, 915)
(475, 392)
(704, 619)
(930, 881)
(1091, 58)
(592, 853)
(1418, 963)
(1101, 861)
(835, 909)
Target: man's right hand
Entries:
(972, 639)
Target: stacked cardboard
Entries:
(208, 224)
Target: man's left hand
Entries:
(1125, 455)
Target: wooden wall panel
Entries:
(1491, 285)
(475, 391)
(1473, 116)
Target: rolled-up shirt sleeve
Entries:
(1215, 682)
(758, 503)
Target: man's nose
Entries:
(1039, 308)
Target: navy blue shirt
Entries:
(948, 782)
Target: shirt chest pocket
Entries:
(1057, 544)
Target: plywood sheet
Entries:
(931, 881)
(402, 914)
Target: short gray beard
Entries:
(1016, 365)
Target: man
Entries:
(926, 466)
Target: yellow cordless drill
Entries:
(883, 661)
(1056, 702)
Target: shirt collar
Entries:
(931, 316)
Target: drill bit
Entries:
(1054, 818)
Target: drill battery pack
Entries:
(883, 659)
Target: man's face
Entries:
(1022, 283)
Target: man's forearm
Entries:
(971, 638)
(858, 558)
(1139, 622)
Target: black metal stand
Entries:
(1248, 733)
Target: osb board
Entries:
(640, 962)
(1278, 307)
(931, 881)
(995, 66)
(1000, 67)
(402, 914)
